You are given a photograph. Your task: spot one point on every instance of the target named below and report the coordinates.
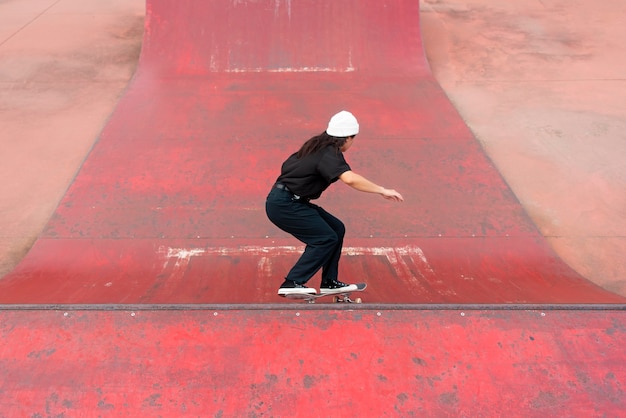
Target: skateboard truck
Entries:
(340, 297)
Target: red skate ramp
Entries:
(152, 290)
(169, 205)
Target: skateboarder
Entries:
(304, 176)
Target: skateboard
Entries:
(343, 297)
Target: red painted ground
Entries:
(313, 363)
(168, 206)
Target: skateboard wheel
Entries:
(336, 299)
(357, 300)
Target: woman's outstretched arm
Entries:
(360, 183)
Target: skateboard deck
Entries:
(339, 297)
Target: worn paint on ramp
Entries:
(194, 145)
(168, 208)
(313, 363)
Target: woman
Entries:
(304, 176)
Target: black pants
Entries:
(319, 230)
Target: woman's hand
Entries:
(391, 194)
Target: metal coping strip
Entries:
(315, 307)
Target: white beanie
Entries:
(342, 125)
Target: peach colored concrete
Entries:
(541, 83)
(63, 66)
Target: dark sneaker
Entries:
(293, 288)
(335, 286)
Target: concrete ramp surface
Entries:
(169, 205)
(152, 290)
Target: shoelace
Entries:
(334, 285)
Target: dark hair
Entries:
(318, 142)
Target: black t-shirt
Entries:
(309, 176)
